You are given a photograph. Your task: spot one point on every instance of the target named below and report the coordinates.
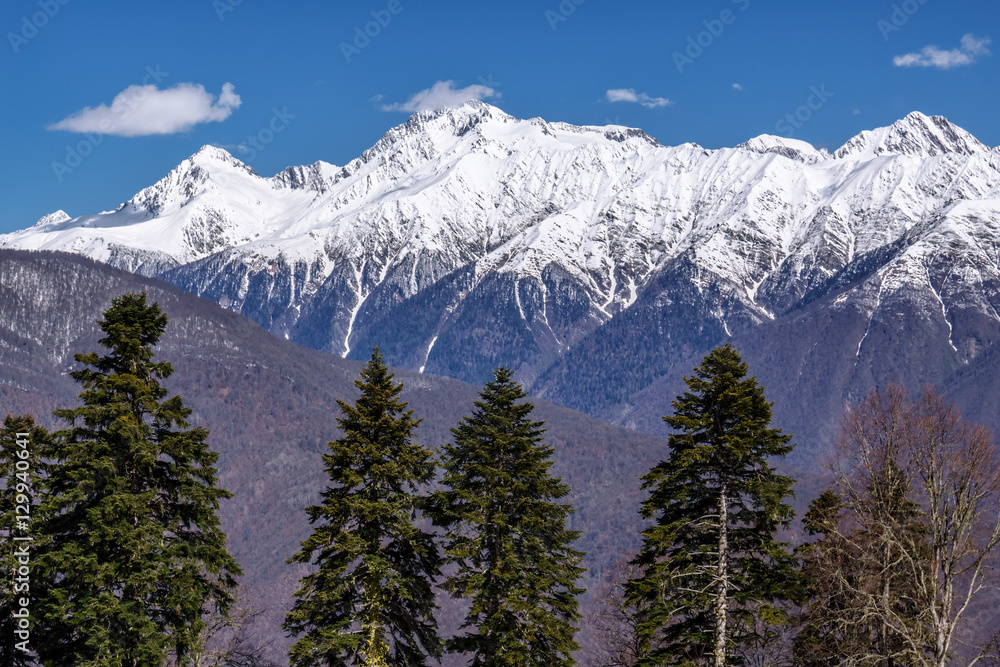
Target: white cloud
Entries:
(442, 94)
(976, 47)
(143, 110)
(931, 56)
(737, 86)
(629, 95)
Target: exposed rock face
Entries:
(593, 260)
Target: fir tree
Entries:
(507, 536)
(136, 556)
(371, 599)
(711, 565)
(23, 447)
(830, 572)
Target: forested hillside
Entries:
(270, 406)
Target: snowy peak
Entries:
(426, 135)
(621, 134)
(317, 177)
(459, 119)
(52, 218)
(917, 135)
(793, 149)
(214, 157)
(210, 166)
(437, 130)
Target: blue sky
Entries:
(290, 83)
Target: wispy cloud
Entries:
(737, 86)
(442, 94)
(143, 110)
(231, 148)
(931, 56)
(629, 95)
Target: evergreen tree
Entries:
(712, 567)
(830, 572)
(135, 553)
(507, 536)
(844, 573)
(23, 447)
(371, 599)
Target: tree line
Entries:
(127, 562)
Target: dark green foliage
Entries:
(21, 441)
(845, 569)
(271, 407)
(822, 641)
(507, 536)
(371, 599)
(720, 451)
(136, 555)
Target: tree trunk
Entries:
(722, 576)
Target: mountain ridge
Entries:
(929, 132)
(466, 238)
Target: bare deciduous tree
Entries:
(920, 489)
(226, 640)
(614, 640)
(958, 485)
(773, 634)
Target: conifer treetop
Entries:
(507, 535)
(138, 555)
(132, 328)
(370, 600)
(725, 409)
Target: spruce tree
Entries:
(135, 554)
(712, 567)
(830, 571)
(23, 447)
(371, 599)
(507, 536)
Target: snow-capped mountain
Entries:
(467, 238)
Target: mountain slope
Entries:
(596, 262)
(270, 406)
